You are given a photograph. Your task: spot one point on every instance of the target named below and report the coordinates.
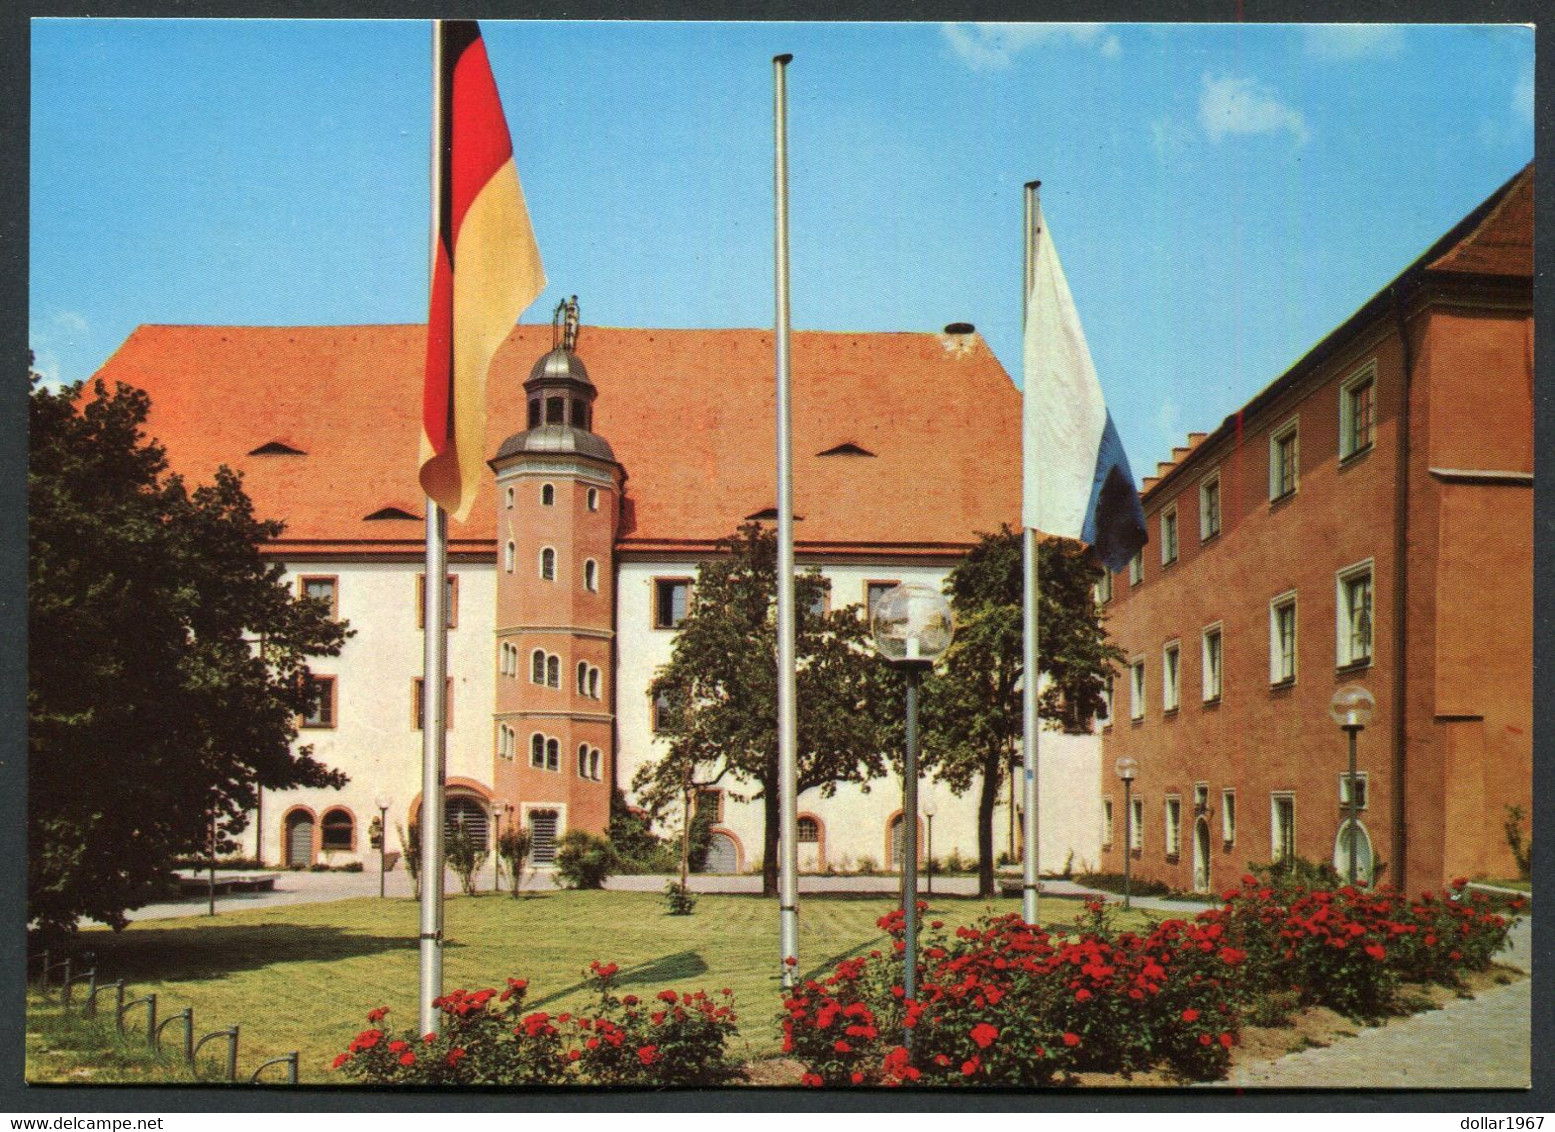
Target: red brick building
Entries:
(1368, 519)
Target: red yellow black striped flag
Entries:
(486, 265)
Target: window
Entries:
(583, 678)
(1173, 825)
(1284, 457)
(808, 831)
(1106, 703)
(669, 602)
(1136, 831)
(1282, 826)
(467, 815)
(1360, 790)
(1358, 412)
(508, 666)
(547, 565)
(1354, 615)
(1170, 656)
(418, 707)
(1104, 587)
(821, 602)
(1136, 568)
(547, 495)
(1136, 689)
(508, 497)
(537, 750)
(593, 692)
(556, 410)
(451, 596)
(662, 720)
(321, 589)
(534, 413)
(1282, 639)
(711, 803)
(553, 671)
(580, 413)
(322, 714)
(1211, 659)
(1200, 798)
(510, 556)
(1228, 816)
(873, 592)
(542, 837)
(583, 760)
(1169, 535)
(338, 830)
(1209, 507)
(1106, 823)
(591, 575)
(537, 667)
(593, 498)
(553, 754)
(596, 764)
(507, 741)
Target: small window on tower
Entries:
(547, 495)
(556, 410)
(580, 413)
(593, 497)
(534, 414)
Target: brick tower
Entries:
(558, 491)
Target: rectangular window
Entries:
(1360, 790)
(873, 592)
(1173, 825)
(1136, 823)
(1106, 823)
(1209, 507)
(1169, 535)
(1104, 587)
(821, 603)
(1228, 816)
(1282, 826)
(711, 803)
(1136, 568)
(1200, 798)
(321, 589)
(1136, 689)
(322, 714)
(662, 720)
(1211, 650)
(670, 598)
(1284, 458)
(1171, 655)
(419, 705)
(542, 835)
(1358, 412)
(1282, 639)
(1106, 704)
(452, 597)
(1354, 605)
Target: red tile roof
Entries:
(1502, 242)
(689, 414)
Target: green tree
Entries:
(721, 688)
(167, 662)
(972, 711)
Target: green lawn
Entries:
(303, 977)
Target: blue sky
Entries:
(1221, 195)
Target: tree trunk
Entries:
(769, 840)
(993, 769)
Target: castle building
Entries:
(1366, 519)
(619, 458)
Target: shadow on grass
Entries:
(656, 974)
(184, 954)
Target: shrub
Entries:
(464, 855)
(411, 844)
(866, 866)
(583, 860)
(672, 1039)
(513, 848)
(1522, 850)
(679, 897)
(1113, 882)
(638, 850)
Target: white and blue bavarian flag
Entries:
(1077, 482)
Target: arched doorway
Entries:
(723, 855)
(299, 839)
(1363, 855)
(1201, 855)
(469, 813)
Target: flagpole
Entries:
(1029, 607)
(435, 656)
(788, 762)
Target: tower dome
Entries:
(560, 398)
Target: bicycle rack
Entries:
(231, 1034)
(151, 1016)
(89, 1008)
(89, 977)
(289, 1060)
(186, 1016)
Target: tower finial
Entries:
(564, 325)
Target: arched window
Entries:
(553, 671)
(583, 678)
(510, 554)
(338, 830)
(547, 495)
(548, 565)
(537, 667)
(593, 498)
(583, 760)
(595, 759)
(553, 754)
(591, 575)
(463, 812)
(509, 498)
(537, 750)
(593, 683)
(809, 831)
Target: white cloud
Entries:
(1353, 41)
(1230, 105)
(70, 322)
(992, 47)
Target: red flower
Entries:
(857, 1078)
(398, 1047)
(969, 1067)
(1071, 1039)
(1082, 995)
(1204, 1039)
(407, 1058)
(1226, 1040)
(1231, 956)
(668, 996)
(629, 1000)
(339, 1061)
(454, 1055)
(656, 1017)
(647, 1054)
(1190, 1015)
(1376, 951)
(813, 1080)
(377, 1015)
(984, 1034)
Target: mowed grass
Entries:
(304, 976)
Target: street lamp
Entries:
(912, 626)
(930, 807)
(1127, 767)
(383, 839)
(1351, 709)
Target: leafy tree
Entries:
(721, 688)
(972, 710)
(513, 850)
(167, 664)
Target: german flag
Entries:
(486, 268)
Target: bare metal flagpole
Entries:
(435, 663)
(1032, 593)
(788, 762)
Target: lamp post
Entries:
(930, 807)
(383, 841)
(1127, 767)
(1351, 709)
(912, 627)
